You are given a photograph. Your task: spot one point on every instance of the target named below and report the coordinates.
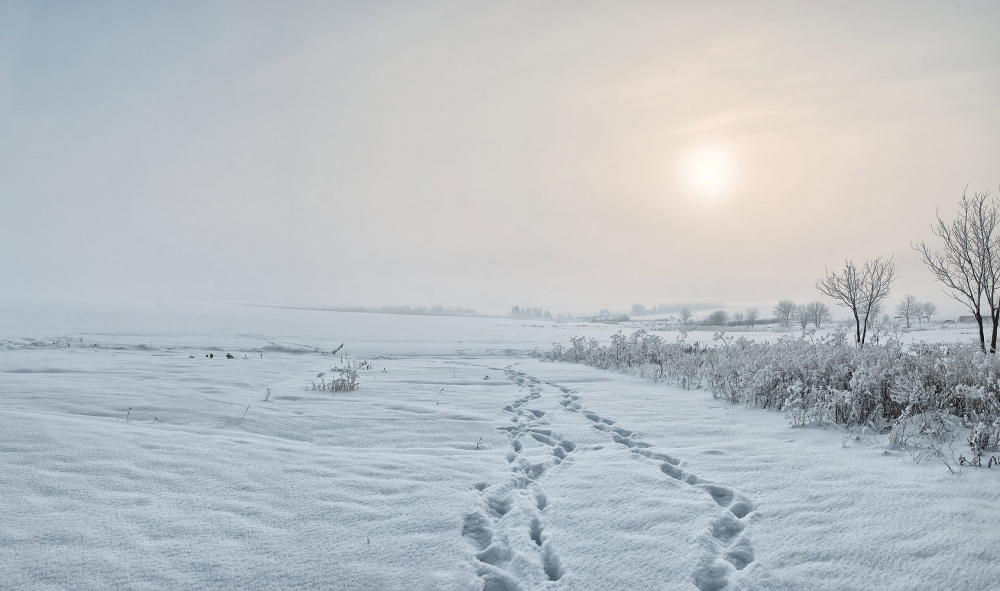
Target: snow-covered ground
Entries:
(128, 459)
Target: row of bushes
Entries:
(927, 389)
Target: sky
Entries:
(483, 154)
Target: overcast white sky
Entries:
(481, 154)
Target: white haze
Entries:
(479, 154)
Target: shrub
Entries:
(346, 380)
(928, 387)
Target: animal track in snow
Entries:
(730, 549)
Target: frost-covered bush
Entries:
(920, 389)
(640, 353)
(346, 379)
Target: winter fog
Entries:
(482, 155)
(499, 296)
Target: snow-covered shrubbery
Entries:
(346, 379)
(924, 390)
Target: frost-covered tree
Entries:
(801, 315)
(717, 318)
(818, 313)
(927, 309)
(784, 312)
(738, 318)
(685, 315)
(862, 291)
(752, 314)
(908, 308)
(968, 263)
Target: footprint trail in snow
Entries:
(729, 549)
(514, 549)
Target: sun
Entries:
(710, 170)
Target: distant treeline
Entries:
(519, 312)
(417, 311)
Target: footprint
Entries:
(722, 495)
(741, 509)
(672, 471)
(541, 501)
(497, 580)
(496, 554)
(740, 555)
(499, 505)
(658, 456)
(727, 528)
(477, 527)
(714, 577)
(543, 439)
(535, 532)
(551, 563)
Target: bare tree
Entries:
(969, 262)
(685, 315)
(818, 313)
(752, 314)
(738, 318)
(784, 311)
(908, 308)
(862, 290)
(927, 309)
(801, 315)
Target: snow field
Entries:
(583, 479)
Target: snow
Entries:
(136, 463)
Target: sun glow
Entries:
(710, 171)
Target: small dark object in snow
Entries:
(229, 356)
(486, 378)
(210, 355)
(190, 356)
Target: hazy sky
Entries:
(482, 154)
